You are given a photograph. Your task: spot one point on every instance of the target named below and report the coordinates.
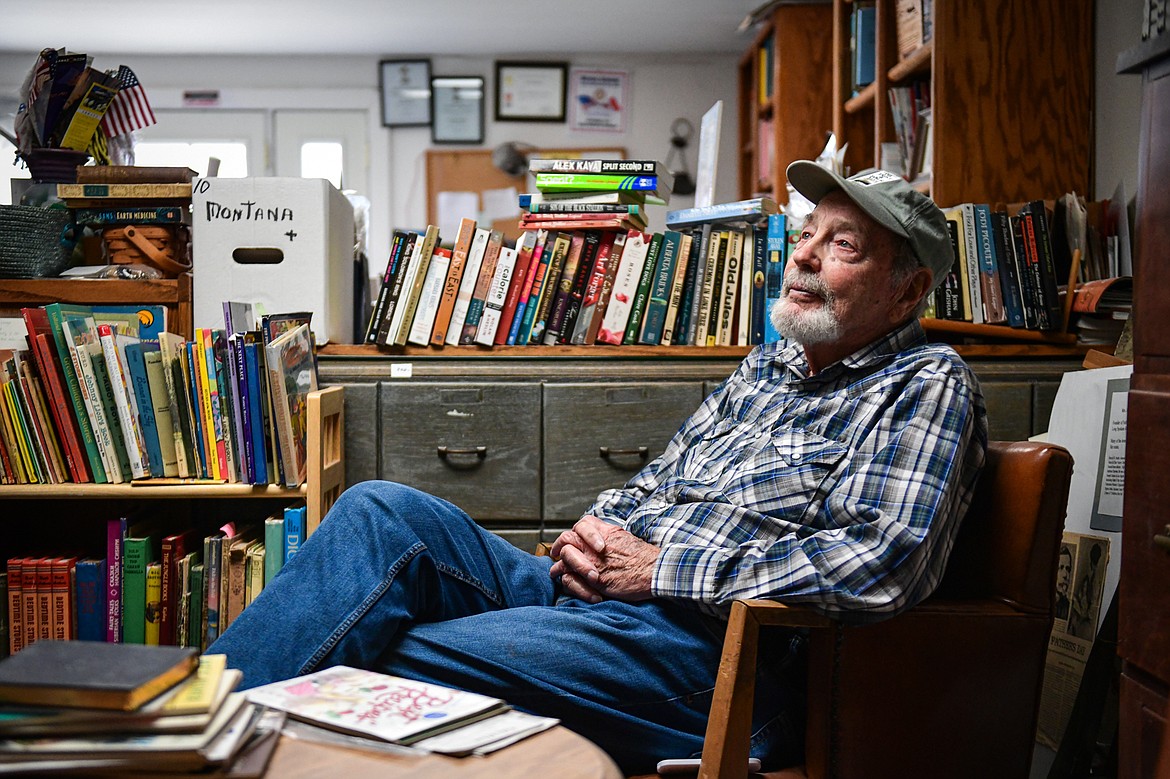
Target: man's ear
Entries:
(916, 288)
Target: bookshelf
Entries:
(174, 293)
(783, 116)
(324, 484)
(1011, 92)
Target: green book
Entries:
(642, 295)
(57, 313)
(140, 550)
(273, 547)
(195, 618)
(599, 182)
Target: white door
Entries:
(332, 145)
(190, 137)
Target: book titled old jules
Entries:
(374, 704)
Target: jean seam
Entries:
(327, 646)
(456, 573)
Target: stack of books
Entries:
(86, 708)
(581, 194)
(158, 582)
(104, 394)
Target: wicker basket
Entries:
(34, 242)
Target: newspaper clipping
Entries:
(1080, 585)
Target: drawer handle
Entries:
(607, 454)
(446, 453)
(1162, 540)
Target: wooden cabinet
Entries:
(524, 440)
(175, 294)
(1144, 629)
(1011, 92)
(784, 77)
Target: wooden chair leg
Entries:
(727, 741)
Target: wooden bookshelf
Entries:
(794, 115)
(175, 294)
(324, 483)
(1011, 97)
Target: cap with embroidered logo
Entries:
(891, 202)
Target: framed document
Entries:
(405, 86)
(531, 91)
(457, 108)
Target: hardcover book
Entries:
(400, 293)
(574, 165)
(292, 375)
(92, 674)
(413, 293)
(560, 182)
(563, 287)
(661, 287)
(591, 298)
(518, 286)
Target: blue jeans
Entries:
(401, 582)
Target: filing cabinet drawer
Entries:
(596, 436)
(476, 445)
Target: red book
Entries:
(520, 281)
(173, 549)
(61, 606)
(44, 597)
(15, 605)
(40, 335)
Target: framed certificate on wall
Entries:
(457, 108)
(405, 86)
(531, 91)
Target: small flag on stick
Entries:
(130, 110)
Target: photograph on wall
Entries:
(599, 100)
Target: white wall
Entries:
(662, 88)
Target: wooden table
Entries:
(558, 752)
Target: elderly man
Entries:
(830, 469)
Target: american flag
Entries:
(130, 110)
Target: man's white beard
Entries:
(808, 328)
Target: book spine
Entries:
(467, 284)
(1028, 292)
(573, 165)
(75, 385)
(730, 288)
(682, 331)
(483, 284)
(429, 298)
(115, 546)
(400, 294)
(294, 518)
(642, 294)
(453, 281)
(587, 317)
(519, 284)
(563, 207)
(15, 604)
(273, 547)
(493, 307)
(560, 182)
(654, 320)
(104, 217)
(526, 309)
(580, 282)
(994, 311)
(242, 401)
(255, 410)
(195, 628)
(147, 421)
(548, 290)
(721, 212)
(429, 242)
(105, 387)
(153, 596)
(95, 409)
(138, 556)
(62, 603)
(1047, 265)
(401, 251)
(706, 297)
(1005, 250)
(212, 557)
(218, 372)
(53, 377)
(759, 306)
(44, 598)
(379, 307)
(973, 268)
(625, 288)
(682, 257)
(160, 405)
(282, 419)
(564, 287)
(28, 600)
(93, 191)
(91, 600)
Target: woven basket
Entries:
(34, 242)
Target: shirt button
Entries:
(796, 457)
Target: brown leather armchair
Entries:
(950, 688)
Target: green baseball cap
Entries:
(891, 202)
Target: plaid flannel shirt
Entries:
(843, 490)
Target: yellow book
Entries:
(196, 694)
(153, 602)
(955, 214)
(199, 359)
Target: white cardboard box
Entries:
(286, 243)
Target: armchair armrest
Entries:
(728, 736)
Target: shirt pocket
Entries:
(788, 474)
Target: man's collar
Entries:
(896, 341)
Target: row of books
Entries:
(913, 131)
(1005, 269)
(104, 394)
(91, 709)
(152, 586)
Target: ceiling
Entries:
(377, 27)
